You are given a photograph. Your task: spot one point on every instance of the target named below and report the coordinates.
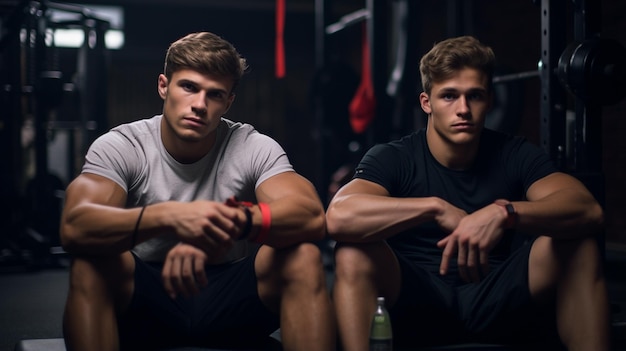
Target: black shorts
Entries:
(226, 313)
(497, 310)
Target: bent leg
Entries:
(292, 282)
(571, 272)
(100, 287)
(362, 272)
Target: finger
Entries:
(443, 242)
(484, 262)
(473, 268)
(166, 276)
(199, 272)
(206, 242)
(462, 262)
(229, 220)
(175, 278)
(187, 278)
(448, 251)
(215, 231)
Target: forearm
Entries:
(295, 218)
(99, 229)
(364, 217)
(565, 214)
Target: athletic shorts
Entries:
(497, 310)
(226, 313)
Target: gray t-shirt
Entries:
(133, 156)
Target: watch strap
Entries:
(512, 217)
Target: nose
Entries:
(463, 108)
(199, 103)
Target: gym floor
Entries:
(31, 301)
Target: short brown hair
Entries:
(206, 53)
(451, 55)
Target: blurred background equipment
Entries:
(54, 78)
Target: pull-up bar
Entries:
(348, 20)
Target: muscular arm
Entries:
(94, 220)
(364, 211)
(561, 207)
(558, 206)
(297, 212)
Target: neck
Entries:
(186, 151)
(449, 154)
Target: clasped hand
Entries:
(472, 240)
(210, 226)
(183, 270)
(207, 231)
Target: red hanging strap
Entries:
(280, 43)
(363, 105)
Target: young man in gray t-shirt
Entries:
(188, 229)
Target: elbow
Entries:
(597, 218)
(310, 226)
(69, 238)
(317, 224)
(319, 227)
(334, 225)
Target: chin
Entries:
(191, 137)
(465, 138)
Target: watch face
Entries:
(511, 215)
(510, 209)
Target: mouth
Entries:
(464, 125)
(194, 121)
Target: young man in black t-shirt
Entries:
(431, 223)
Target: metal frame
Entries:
(553, 99)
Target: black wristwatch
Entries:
(511, 216)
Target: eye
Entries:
(216, 94)
(448, 96)
(188, 87)
(477, 96)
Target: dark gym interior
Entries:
(561, 83)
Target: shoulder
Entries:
(126, 143)
(494, 140)
(140, 127)
(244, 134)
(404, 146)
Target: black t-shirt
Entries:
(505, 167)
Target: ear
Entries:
(162, 86)
(425, 103)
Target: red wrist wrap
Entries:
(266, 222)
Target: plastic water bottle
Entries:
(381, 337)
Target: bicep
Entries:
(283, 185)
(362, 186)
(94, 189)
(554, 183)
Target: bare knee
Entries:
(302, 262)
(280, 267)
(102, 277)
(353, 260)
(295, 272)
(553, 261)
(580, 256)
(368, 266)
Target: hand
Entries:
(450, 217)
(207, 225)
(183, 270)
(475, 236)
